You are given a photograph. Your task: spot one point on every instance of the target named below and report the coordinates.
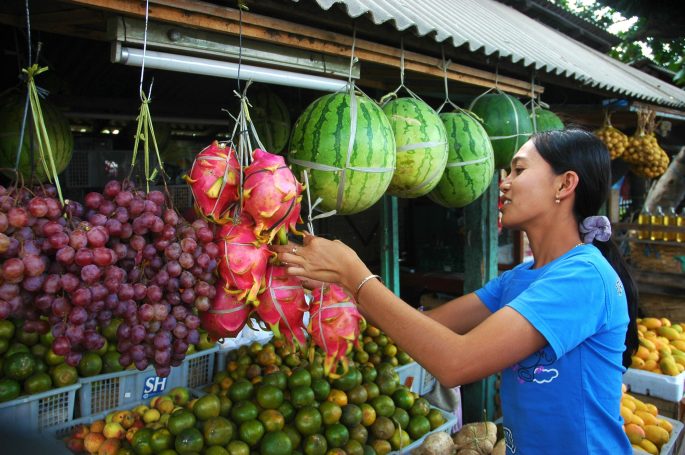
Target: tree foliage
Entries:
(657, 33)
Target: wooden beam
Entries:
(206, 16)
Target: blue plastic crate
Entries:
(450, 421)
(33, 413)
(109, 391)
(410, 376)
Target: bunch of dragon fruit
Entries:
(227, 315)
(214, 180)
(334, 325)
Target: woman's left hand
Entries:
(322, 260)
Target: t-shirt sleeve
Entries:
(491, 294)
(566, 305)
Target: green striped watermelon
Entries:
(421, 143)
(507, 122)
(59, 132)
(471, 163)
(271, 119)
(545, 120)
(346, 142)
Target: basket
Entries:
(200, 368)
(410, 376)
(37, 412)
(450, 421)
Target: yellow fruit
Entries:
(651, 334)
(680, 367)
(669, 333)
(665, 350)
(649, 447)
(649, 344)
(641, 328)
(679, 345)
(656, 434)
(650, 365)
(626, 413)
(667, 365)
(635, 433)
(642, 352)
(665, 424)
(677, 328)
(665, 322)
(646, 417)
(636, 420)
(649, 407)
(637, 362)
(630, 404)
(651, 323)
(653, 355)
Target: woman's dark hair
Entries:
(582, 152)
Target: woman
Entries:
(557, 328)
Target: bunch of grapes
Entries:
(123, 254)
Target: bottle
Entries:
(670, 219)
(680, 222)
(656, 219)
(643, 220)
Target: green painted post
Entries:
(480, 266)
(390, 250)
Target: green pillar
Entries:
(390, 250)
(480, 266)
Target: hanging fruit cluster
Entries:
(255, 204)
(615, 141)
(123, 254)
(643, 151)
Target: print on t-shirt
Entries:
(532, 369)
(509, 440)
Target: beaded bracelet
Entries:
(363, 282)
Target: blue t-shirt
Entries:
(565, 398)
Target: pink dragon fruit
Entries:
(242, 259)
(227, 315)
(334, 325)
(282, 305)
(214, 179)
(271, 194)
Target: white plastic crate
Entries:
(450, 421)
(109, 391)
(670, 448)
(428, 382)
(410, 376)
(37, 412)
(657, 385)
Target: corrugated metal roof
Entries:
(491, 27)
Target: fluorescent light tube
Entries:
(208, 67)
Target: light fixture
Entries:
(196, 65)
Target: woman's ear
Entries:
(566, 184)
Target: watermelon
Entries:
(545, 121)
(59, 132)
(346, 142)
(421, 143)
(507, 122)
(471, 163)
(271, 119)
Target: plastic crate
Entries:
(200, 368)
(110, 391)
(672, 446)
(428, 382)
(659, 385)
(410, 376)
(450, 421)
(37, 412)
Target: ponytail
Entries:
(613, 255)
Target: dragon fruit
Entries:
(214, 179)
(243, 259)
(334, 325)
(227, 315)
(282, 305)
(271, 194)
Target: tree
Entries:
(656, 32)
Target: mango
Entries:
(667, 365)
(665, 424)
(630, 404)
(649, 407)
(665, 350)
(627, 414)
(656, 434)
(651, 334)
(675, 351)
(677, 328)
(637, 362)
(636, 420)
(646, 417)
(651, 323)
(679, 345)
(668, 333)
(641, 328)
(665, 322)
(649, 447)
(640, 406)
(648, 344)
(635, 433)
(653, 355)
(650, 365)
(642, 352)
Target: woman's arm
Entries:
(493, 343)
